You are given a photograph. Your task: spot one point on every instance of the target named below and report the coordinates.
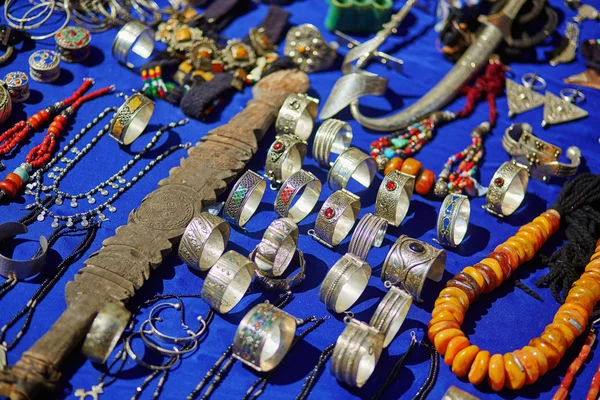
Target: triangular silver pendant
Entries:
(521, 98)
(558, 111)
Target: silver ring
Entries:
(507, 189)
(332, 138)
(393, 197)
(344, 283)
(277, 247)
(284, 284)
(369, 232)
(297, 116)
(44, 66)
(533, 81)
(572, 95)
(204, 241)
(305, 45)
(285, 158)
(453, 220)
(244, 198)
(5, 103)
(264, 337)
(133, 44)
(410, 262)
(227, 281)
(131, 119)
(352, 164)
(336, 218)
(105, 332)
(356, 353)
(391, 313)
(17, 83)
(309, 187)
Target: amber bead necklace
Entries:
(521, 367)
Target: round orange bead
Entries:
(591, 284)
(496, 372)
(479, 367)
(511, 253)
(444, 337)
(551, 353)
(530, 238)
(495, 265)
(530, 364)
(544, 225)
(596, 255)
(518, 247)
(514, 371)
(16, 179)
(565, 318)
(593, 265)
(535, 231)
(461, 364)
(582, 296)
(443, 316)
(440, 326)
(528, 246)
(425, 182)
(475, 274)
(553, 218)
(411, 167)
(539, 357)
(456, 292)
(592, 275)
(576, 312)
(454, 347)
(452, 308)
(565, 330)
(556, 338)
(395, 164)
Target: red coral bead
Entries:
(45, 115)
(61, 119)
(9, 187)
(16, 179)
(33, 122)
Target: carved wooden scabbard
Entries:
(126, 260)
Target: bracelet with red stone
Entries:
(424, 178)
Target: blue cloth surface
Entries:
(500, 322)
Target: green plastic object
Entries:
(358, 16)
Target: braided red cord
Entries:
(490, 84)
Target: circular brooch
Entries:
(307, 48)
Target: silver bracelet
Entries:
(156, 347)
(131, 119)
(166, 366)
(244, 198)
(105, 332)
(301, 182)
(275, 251)
(507, 189)
(453, 220)
(284, 284)
(285, 158)
(352, 164)
(133, 44)
(264, 337)
(410, 262)
(391, 313)
(204, 241)
(227, 281)
(369, 232)
(336, 218)
(191, 335)
(393, 197)
(297, 116)
(344, 283)
(21, 269)
(356, 353)
(332, 138)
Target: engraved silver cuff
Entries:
(133, 44)
(356, 353)
(204, 241)
(453, 220)
(393, 197)
(391, 313)
(227, 281)
(336, 218)
(507, 189)
(297, 116)
(332, 138)
(309, 187)
(369, 232)
(344, 283)
(244, 198)
(410, 262)
(131, 119)
(284, 284)
(277, 247)
(264, 337)
(352, 164)
(21, 269)
(105, 332)
(285, 158)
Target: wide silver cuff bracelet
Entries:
(277, 247)
(264, 337)
(21, 269)
(284, 283)
(453, 220)
(105, 332)
(285, 158)
(297, 116)
(336, 218)
(309, 187)
(507, 189)
(410, 262)
(244, 198)
(332, 138)
(133, 44)
(204, 241)
(344, 283)
(391, 313)
(131, 119)
(369, 232)
(227, 281)
(393, 197)
(356, 353)
(352, 164)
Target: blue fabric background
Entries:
(500, 322)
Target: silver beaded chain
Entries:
(117, 182)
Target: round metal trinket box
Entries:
(44, 66)
(73, 43)
(17, 84)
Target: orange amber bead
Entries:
(457, 293)
(511, 253)
(411, 167)
(536, 232)
(479, 367)
(592, 275)
(530, 238)
(591, 284)
(440, 326)
(554, 218)
(444, 337)
(544, 225)
(582, 296)
(514, 371)
(16, 179)
(518, 247)
(475, 274)
(539, 357)
(463, 360)
(593, 265)
(556, 338)
(551, 353)
(566, 319)
(496, 372)
(528, 246)
(530, 364)
(578, 313)
(452, 308)
(489, 275)
(454, 347)
(425, 182)
(495, 266)
(443, 316)
(395, 164)
(595, 255)
(503, 261)
(565, 330)
(449, 299)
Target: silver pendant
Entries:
(69, 223)
(96, 390)
(569, 52)
(74, 203)
(114, 185)
(59, 201)
(122, 180)
(91, 200)
(112, 208)
(84, 222)
(103, 192)
(521, 98)
(558, 111)
(41, 217)
(54, 223)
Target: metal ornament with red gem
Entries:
(336, 218)
(507, 189)
(285, 158)
(393, 197)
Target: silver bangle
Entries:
(105, 332)
(5, 103)
(166, 366)
(391, 313)
(264, 337)
(244, 198)
(289, 282)
(297, 116)
(356, 353)
(332, 137)
(352, 164)
(344, 283)
(453, 220)
(507, 189)
(204, 241)
(369, 232)
(275, 251)
(131, 119)
(393, 197)
(285, 158)
(192, 336)
(301, 182)
(166, 352)
(133, 44)
(336, 218)
(21, 269)
(410, 262)
(227, 281)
